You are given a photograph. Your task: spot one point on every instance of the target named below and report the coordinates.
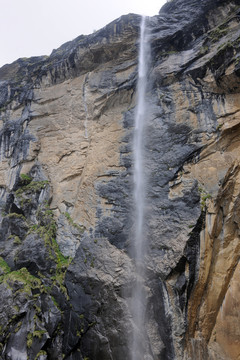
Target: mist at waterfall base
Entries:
(139, 344)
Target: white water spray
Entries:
(139, 348)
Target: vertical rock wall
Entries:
(66, 187)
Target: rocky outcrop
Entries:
(66, 191)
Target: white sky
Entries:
(36, 27)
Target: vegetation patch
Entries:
(46, 229)
(28, 189)
(25, 179)
(29, 340)
(168, 52)
(204, 196)
(16, 239)
(219, 127)
(4, 266)
(51, 281)
(89, 258)
(39, 333)
(225, 46)
(80, 228)
(26, 281)
(33, 186)
(218, 33)
(16, 216)
(41, 353)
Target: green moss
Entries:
(25, 179)
(207, 196)
(59, 278)
(204, 196)
(41, 353)
(92, 262)
(219, 126)
(55, 302)
(225, 46)
(15, 215)
(18, 327)
(218, 32)
(71, 222)
(4, 266)
(33, 186)
(16, 308)
(92, 324)
(62, 262)
(48, 233)
(89, 258)
(39, 333)
(46, 230)
(22, 276)
(37, 308)
(16, 239)
(29, 340)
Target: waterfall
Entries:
(139, 346)
(139, 188)
(85, 108)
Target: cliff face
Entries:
(66, 191)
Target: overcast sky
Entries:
(36, 27)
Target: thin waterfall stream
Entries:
(139, 179)
(85, 110)
(139, 347)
